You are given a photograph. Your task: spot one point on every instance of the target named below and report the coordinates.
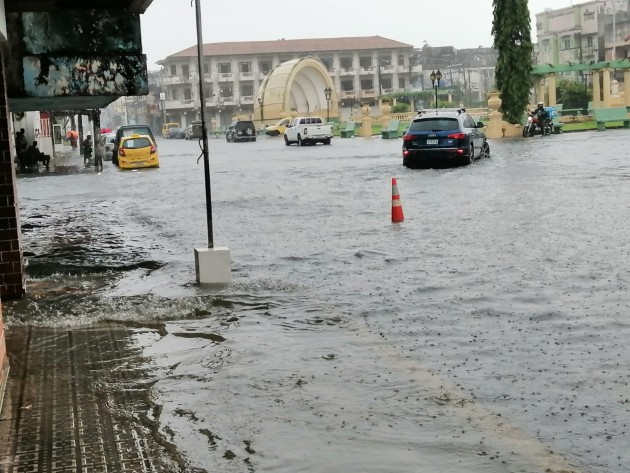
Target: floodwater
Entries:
(486, 333)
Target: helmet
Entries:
(540, 104)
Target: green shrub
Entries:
(401, 108)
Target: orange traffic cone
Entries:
(397, 211)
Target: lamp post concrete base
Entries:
(213, 265)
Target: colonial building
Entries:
(583, 33)
(361, 69)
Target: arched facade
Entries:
(295, 87)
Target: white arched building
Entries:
(296, 87)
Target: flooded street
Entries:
(486, 333)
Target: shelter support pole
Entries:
(552, 90)
(540, 89)
(606, 87)
(597, 94)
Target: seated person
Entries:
(33, 156)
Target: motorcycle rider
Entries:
(541, 114)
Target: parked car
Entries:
(108, 142)
(166, 127)
(241, 130)
(278, 128)
(176, 133)
(136, 152)
(194, 131)
(128, 130)
(444, 138)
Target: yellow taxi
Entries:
(278, 128)
(137, 152)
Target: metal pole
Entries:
(204, 129)
(327, 110)
(437, 84)
(614, 30)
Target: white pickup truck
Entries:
(307, 131)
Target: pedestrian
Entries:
(20, 142)
(87, 150)
(99, 151)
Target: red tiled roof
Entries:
(293, 46)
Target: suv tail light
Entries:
(153, 149)
(408, 138)
(457, 136)
(121, 152)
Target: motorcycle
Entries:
(533, 123)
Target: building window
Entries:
(401, 83)
(225, 68)
(285, 59)
(401, 59)
(186, 71)
(226, 91)
(206, 68)
(175, 94)
(567, 43)
(386, 83)
(367, 84)
(187, 94)
(328, 63)
(264, 66)
(245, 67)
(347, 86)
(545, 46)
(346, 63)
(365, 62)
(589, 41)
(207, 92)
(247, 91)
(173, 70)
(384, 61)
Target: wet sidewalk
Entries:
(78, 401)
(65, 161)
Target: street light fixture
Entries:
(436, 77)
(262, 116)
(328, 92)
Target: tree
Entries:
(512, 40)
(572, 94)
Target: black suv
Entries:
(444, 138)
(241, 130)
(128, 130)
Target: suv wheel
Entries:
(485, 151)
(300, 142)
(286, 140)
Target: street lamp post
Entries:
(328, 92)
(262, 116)
(435, 81)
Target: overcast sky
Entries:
(168, 26)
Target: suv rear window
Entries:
(244, 125)
(434, 124)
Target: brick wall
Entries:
(12, 277)
(4, 361)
